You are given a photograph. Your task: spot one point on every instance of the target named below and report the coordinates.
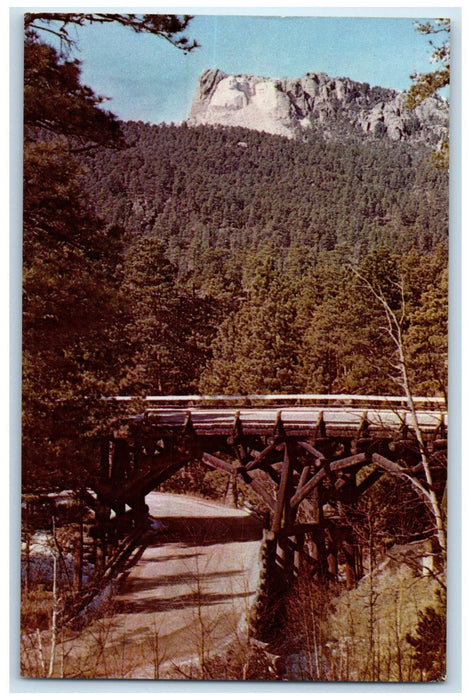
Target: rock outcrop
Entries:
(335, 106)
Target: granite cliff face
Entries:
(335, 106)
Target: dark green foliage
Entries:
(323, 333)
(205, 188)
(70, 285)
(169, 330)
(263, 230)
(427, 335)
(429, 642)
(255, 349)
(81, 338)
(55, 102)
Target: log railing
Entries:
(276, 400)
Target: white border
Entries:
(460, 376)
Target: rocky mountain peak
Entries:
(335, 106)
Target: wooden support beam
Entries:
(315, 505)
(307, 488)
(303, 478)
(254, 463)
(285, 516)
(394, 467)
(320, 458)
(337, 465)
(368, 482)
(364, 425)
(319, 430)
(105, 459)
(236, 439)
(218, 463)
(286, 471)
(237, 427)
(188, 424)
(386, 464)
(120, 466)
(279, 430)
(348, 462)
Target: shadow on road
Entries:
(189, 600)
(198, 530)
(140, 594)
(138, 585)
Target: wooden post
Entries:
(284, 517)
(319, 553)
(105, 459)
(231, 491)
(282, 492)
(100, 556)
(279, 570)
(121, 466)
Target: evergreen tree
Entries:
(427, 335)
(342, 350)
(56, 103)
(429, 642)
(74, 313)
(255, 350)
(429, 84)
(70, 315)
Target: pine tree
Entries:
(429, 642)
(74, 313)
(255, 350)
(429, 84)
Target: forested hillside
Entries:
(258, 235)
(202, 188)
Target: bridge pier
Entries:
(119, 506)
(284, 517)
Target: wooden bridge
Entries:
(304, 456)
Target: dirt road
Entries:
(187, 594)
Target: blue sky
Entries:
(148, 79)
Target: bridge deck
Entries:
(347, 420)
